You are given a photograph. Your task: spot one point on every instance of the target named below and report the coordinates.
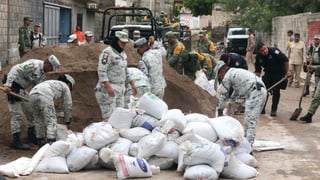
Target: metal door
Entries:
(65, 24)
(51, 24)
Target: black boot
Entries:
(16, 143)
(50, 141)
(306, 92)
(307, 118)
(32, 136)
(41, 142)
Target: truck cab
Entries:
(236, 40)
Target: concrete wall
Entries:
(298, 23)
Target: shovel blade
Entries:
(296, 114)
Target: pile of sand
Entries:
(81, 63)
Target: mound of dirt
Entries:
(81, 63)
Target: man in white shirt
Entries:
(37, 38)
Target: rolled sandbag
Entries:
(134, 134)
(235, 169)
(150, 144)
(93, 163)
(227, 128)
(200, 172)
(105, 156)
(203, 129)
(146, 121)
(133, 151)
(121, 145)
(58, 148)
(152, 105)
(121, 118)
(80, 157)
(162, 162)
(76, 139)
(247, 159)
(131, 167)
(56, 164)
(98, 135)
(244, 147)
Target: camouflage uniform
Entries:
(112, 67)
(206, 46)
(42, 98)
(315, 61)
(152, 60)
(244, 84)
(141, 82)
(24, 40)
(210, 64)
(174, 56)
(23, 75)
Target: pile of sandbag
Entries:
(138, 142)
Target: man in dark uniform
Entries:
(24, 37)
(234, 60)
(275, 65)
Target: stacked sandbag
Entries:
(145, 121)
(152, 105)
(121, 118)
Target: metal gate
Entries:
(51, 24)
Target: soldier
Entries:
(151, 65)
(24, 37)
(204, 44)
(175, 52)
(313, 55)
(37, 38)
(244, 84)
(142, 84)
(250, 46)
(88, 37)
(316, 99)
(275, 66)
(73, 40)
(136, 35)
(42, 97)
(175, 25)
(204, 61)
(234, 60)
(19, 78)
(113, 74)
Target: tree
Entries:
(258, 14)
(199, 7)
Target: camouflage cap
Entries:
(202, 33)
(218, 67)
(123, 36)
(54, 62)
(37, 25)
(317, 36)
(27, 18)
(140, 42)
(70, 79)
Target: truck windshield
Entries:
(238, 32)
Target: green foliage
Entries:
(258, 14)
(176, 11)
(199, 7)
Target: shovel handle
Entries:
(15, 94)
(276, 84)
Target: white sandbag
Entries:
(131, 167)
(150, 144)
(194, 138)
(247, 159)
(121, 118)
(98, 135)
(93, 163)
(23, 166)
(196, 117)
(228, 128)
(14, 168)
(244, 147)
(134, 134)
(182, 151)
(169, 150)
(176, 116)
(105, 156)
(152, 105)
(58, 148)
(121, 145)
(162, 162)
(145, 121)
(202, 81)
(133, 151)
(203, 129)
(211, 154)
(76, 139)
(62, 132)
(200, 172)
(56, 164)
(235, 169)
(80, 157)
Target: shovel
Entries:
(298, 110)
(16, 95)
(276, 84)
